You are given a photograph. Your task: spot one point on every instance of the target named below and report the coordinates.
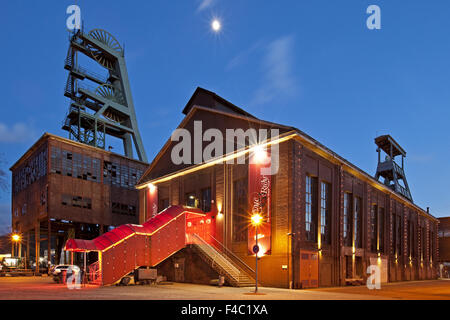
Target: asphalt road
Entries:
(43, 288)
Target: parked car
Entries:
(55, 270)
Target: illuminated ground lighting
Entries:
(216, 25)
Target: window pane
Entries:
(311, 208)
(347, 232)
(325, 212)
(357, 215)
(240, 204)
(206, 200)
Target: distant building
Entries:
(63, 189)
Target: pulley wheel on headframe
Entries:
(109, 41)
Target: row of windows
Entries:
(203, 203)
(123, 209)
(353, 219)
(85, 167)
(120, 175)
(76, 201)
(86, 203)
(412, 245)
(20, 211)
(191, 200)
(33, 170)
(75, 165)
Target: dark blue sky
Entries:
(310, 64)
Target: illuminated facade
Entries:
(325, 220)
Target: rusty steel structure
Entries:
(66, 188)
(100, 105)
(393, 174)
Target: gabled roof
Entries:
(386, 142)
(209, 99)
(191, 115)
(235, 112)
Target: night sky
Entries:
(309, 64)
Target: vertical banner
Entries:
(152, 202)
(259, 195)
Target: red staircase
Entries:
(130, 246)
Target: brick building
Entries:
(63, 189)
(326, 220)
(444, 246)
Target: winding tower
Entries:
(100, 105)
(393, 174)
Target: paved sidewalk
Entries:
(37, 288)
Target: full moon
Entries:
(215, 25)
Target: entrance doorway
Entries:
(309, 269)
(179, 269)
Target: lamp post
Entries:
(256, 221)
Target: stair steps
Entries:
(235, 275)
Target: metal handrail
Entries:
(94, 272)
(228, 251)
(397, 167)
(87, 87)
(86, 72)
(216, 256)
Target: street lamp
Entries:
(256, 221)
(15, 238)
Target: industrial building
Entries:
(444, 247)
(321, 221)
(66, 188)
(325, 220)
(63, 189)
